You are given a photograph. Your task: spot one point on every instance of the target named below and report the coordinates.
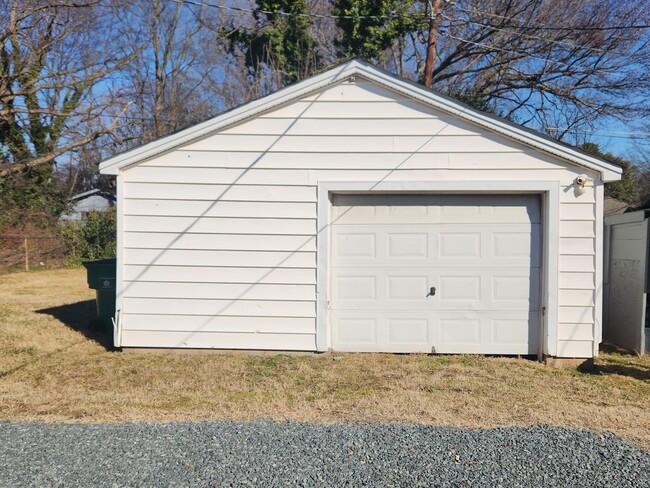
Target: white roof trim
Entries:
(608, 171)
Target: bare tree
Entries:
(52, 55)
(554, 65)
(167, 81)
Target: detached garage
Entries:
(357, 211)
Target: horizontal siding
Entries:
(576, 315)
(575, 332)
(191, 175)
(262, 259)
(216, 225)
(224, 193)
(216, 175)
(353, 110)
(239, 308)
(577, 281)
(578, 211)
(218, 340)
(219, 274)
(358, 91)
(579, 263)
(583, 298)
(234, 242)
(346, 126)
(577, 245)
(575, 349)
(577, 228)
(471, 160)
(211, 323)
(352, 143)
(194, 208)
(253, 291)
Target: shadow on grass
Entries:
(621, 362)
(627, 367)
(81, 317)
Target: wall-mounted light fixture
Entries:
(579, 184)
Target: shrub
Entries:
(92, 239)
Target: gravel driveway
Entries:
(294, 454)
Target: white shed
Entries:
(357, 211)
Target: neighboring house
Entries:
(616, 207)
(90, 201)
(626, 280)
(358, 211)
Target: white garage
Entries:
(357, 211)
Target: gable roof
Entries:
(607, 170)
(86, 194)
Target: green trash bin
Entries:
(101, 278)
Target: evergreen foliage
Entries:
(369, 28)
(280, 43)
(625, 190)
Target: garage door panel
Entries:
(487, 245)
(459, 245)
(352, 246)
(480, 252)
(355, 287)
(456, 289)
(407, 245)
(459, 289)
(488, 333)
(371, 331)
(444, 333)
(401, 288)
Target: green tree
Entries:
(625, 190)
(279, 42)
(370, 27)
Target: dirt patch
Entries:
(55, 366)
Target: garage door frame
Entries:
(550, 203)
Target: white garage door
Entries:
(481, 253)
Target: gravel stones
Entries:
(269, 454)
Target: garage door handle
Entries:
(432, 291)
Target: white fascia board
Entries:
(608, 172)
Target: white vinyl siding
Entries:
(239, 207)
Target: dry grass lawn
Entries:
(53, 367)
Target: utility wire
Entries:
(551, 28)
(393, 15)
(198, 3)
(509, 29)
(615, 134)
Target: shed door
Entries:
(481, 253)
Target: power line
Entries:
(614, 134)
(495, 48)
(618, 134)
(394, 14)
(286, 14)
(528, 36)
(540, 27)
